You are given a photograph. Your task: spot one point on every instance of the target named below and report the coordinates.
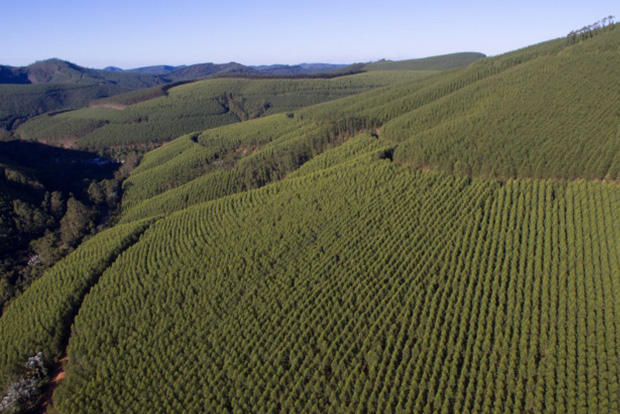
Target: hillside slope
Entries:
(446, 243)
(21, 102)
(358, 284)
(458, 122)
(54, 85)
(164, 113)
(175, 121)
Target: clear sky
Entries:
(133, 33)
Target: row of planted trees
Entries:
(529, 113)
(361, 287)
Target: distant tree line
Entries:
(588, 31)
(353, 70)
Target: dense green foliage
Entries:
(229, 157)
(526, 121)
(423, 242)
(125, 99)
(191, 108)
(198, 106)
(58, 131)
(362, 286)
(19, 102)
(428, 117)
(546, 111)
(50, 198)
(39, 320)
(54, 85)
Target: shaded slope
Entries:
(20, 102)
(45, 209)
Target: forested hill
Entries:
(62, 72)
(55, 85)
(443, 243)
(162, 113)
(502, 117)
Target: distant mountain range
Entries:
(63, 72)
(187, 72)
(54, 84)
(151, 70)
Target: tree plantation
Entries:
(426, 236)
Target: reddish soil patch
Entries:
(246, 150)
(111, 105)
(57, 374)
(66, 142)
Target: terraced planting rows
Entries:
(362, 287)
(40, 319)
(225, 170)
(517, 124)
(463, 122)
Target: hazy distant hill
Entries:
(203, 70)
(60, 71)
(442, 62)
(10, 74)
(301, 69)
(54, 84)
(113, 69)
(157, 70)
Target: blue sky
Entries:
(133, 33)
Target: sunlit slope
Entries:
(442, 62)
(221, 162)
(556, 116)
(546, 111)
(196, 106)
(361, 285)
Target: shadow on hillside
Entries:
(58, 169)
